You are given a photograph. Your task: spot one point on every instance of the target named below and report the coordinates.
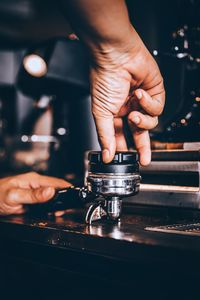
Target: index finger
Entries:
(106, 134)
(16, 196)
(35, 180)
(48, 181)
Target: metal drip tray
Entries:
(187, 229)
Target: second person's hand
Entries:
(26, 189)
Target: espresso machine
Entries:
(61, 87)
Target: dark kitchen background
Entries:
(45, 119)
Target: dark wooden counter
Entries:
(51, 256)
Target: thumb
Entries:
(42, 194)
(30, 196)
(106, 135)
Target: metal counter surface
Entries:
(127, 240)
(67, 258)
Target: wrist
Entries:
(109, 51)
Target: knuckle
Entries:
(12, 181)
(161, 103)
(129, 117)
(159, 112)
(35, 196)
(158, 108)
(155, 121)
(12, 195)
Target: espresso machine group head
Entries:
(106, 187)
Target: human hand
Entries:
(126, 81)
(29, 188)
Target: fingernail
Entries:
(48, 192)
(139, 94)
(106, 155)
(136, 120)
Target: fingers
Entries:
(18, 196)
(106, 134)
(121, 144)
(28, 188)
(61, 213)
(143, 121)
(18, 210)
(143, 146)
(11, 210)
(152, 105)
(142, 143)
(139, 121)
(34, 181)
(53, 182)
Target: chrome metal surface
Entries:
(95, 212)
(188, 229)
(104, 208)
(113, 184)
(113, 208)
(167, 196)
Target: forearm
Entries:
(101, 23)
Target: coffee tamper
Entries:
(111, 183)
(106, 187)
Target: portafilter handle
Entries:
(67, 198)
(107, 185)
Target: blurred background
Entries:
(45, 119)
